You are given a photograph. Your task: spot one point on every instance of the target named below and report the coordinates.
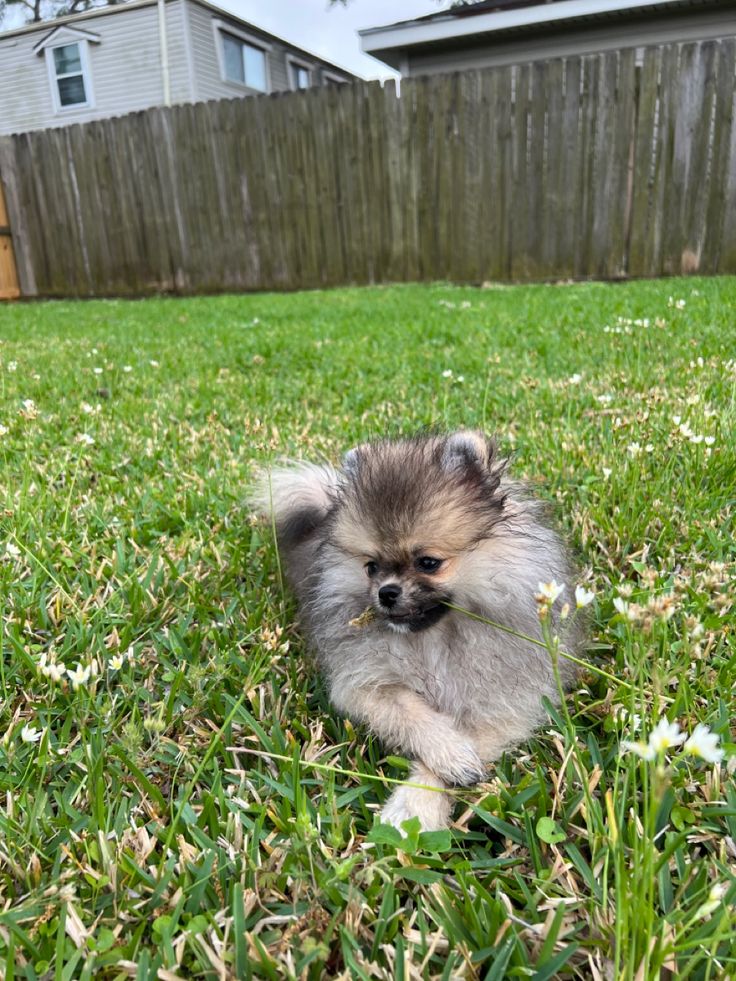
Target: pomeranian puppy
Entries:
(379, 552)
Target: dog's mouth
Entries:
(416, 620)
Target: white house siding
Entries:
(555, 44)
(125, 65)
(206, 59)
(205, 55)
(125, 68)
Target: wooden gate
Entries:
(8, 273)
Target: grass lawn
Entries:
(178, 799)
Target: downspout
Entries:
(164, 52)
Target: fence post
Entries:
(12, 216)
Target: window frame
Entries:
(221, 28)
(86, 73)
(291, 64)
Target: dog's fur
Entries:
(450, 692)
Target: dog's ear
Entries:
(467, 450)
(351, 462)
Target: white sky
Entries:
(329, 31)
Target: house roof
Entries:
(491, 17)
(121, 8)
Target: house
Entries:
(504, 32)
(114, 60)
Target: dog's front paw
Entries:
(456, 763)
(432, 807)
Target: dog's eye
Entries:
(425, 563)
(371, 568)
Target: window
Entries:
(244, 63)
(68, 70)
(299, 76)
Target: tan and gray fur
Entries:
(405, 527)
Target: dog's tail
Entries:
(296, 498)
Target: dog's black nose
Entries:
(389, 594)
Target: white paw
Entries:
(457, 763)
(432, 807)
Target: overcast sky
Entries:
(330, 31)
(326, 30)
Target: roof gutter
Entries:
(440, 29)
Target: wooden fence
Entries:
(590, 166)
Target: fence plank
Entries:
(687, 184)
(723, 163)
(727, 254)
(665, 201)
(519, 219)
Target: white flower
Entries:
(12, 365)
(704, 743)
(715, 897)
(460, 378)
(548, 592)
(680, 304)
(665, 735)
(50, 669)
(29, 408)
(12, 550)
(87, 408)
(447, 373)
(621, 606)
(85, 438)
(696, 438)
(54, 671)
(97, 371)
(709, 440)
(633, 449)
(4, 430)
(583, 596)
(116, 662)
(153, 364)
(644, 750)
(677, 420)
(574, 379)
(80, 676)
(604, 399)
(607, 472)
(649, 448)
(30, 734)
(127, 368)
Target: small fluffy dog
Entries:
(376, 550)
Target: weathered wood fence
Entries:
(590, 166)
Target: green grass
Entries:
(199, 810)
